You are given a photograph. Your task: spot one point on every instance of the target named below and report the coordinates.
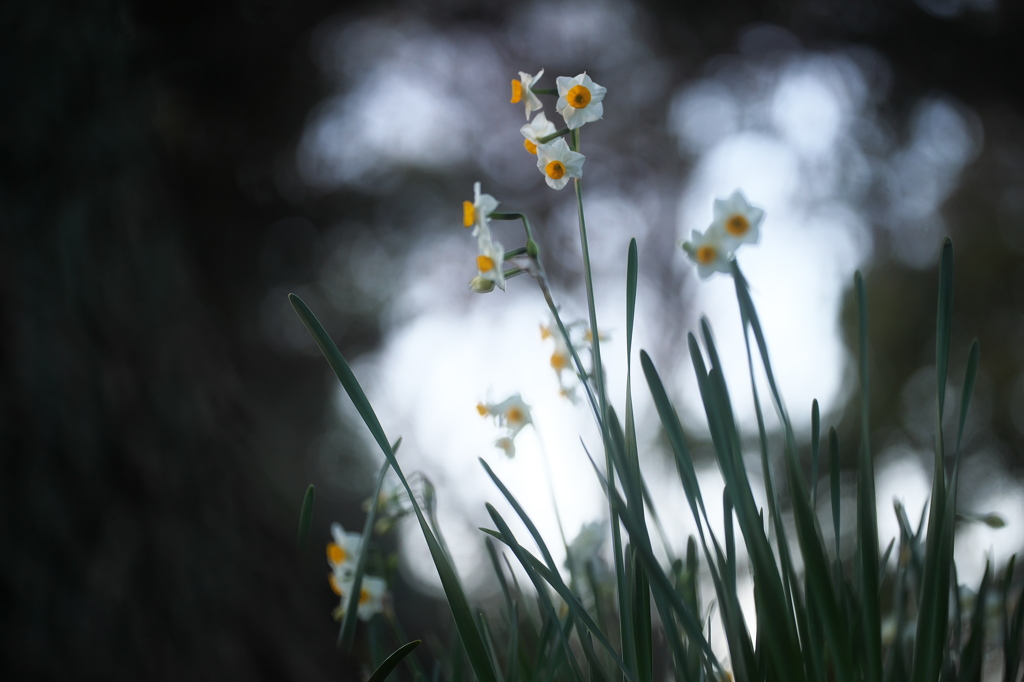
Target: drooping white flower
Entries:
(579, 100)
(539, 127)
(558, 163)
(738, 221)
(475, 214)
(522, 92)
(490, 264)
(710, 251)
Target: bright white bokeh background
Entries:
(799, 131)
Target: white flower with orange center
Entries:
(579, 100)
(533, 131)
(371, 597)
(475, 214)
(490, 264)
(522, 92)
(710, 251)
(558, 163)
(737, 220)
(511, 413)
(343, 551)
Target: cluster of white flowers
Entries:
(342, 556)
(512, 414)
(579, 102)
(735, 223)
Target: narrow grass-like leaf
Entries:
(640, 611)
(932, 620)
(867, 521)
(817, 573)
(815, 451)
(972, 658)
(306, 517)
(944, 320)
(631, 277)
(348, 622)
(541, 576)
(833, 475)
(1013, 626)
(485, 633)
(970, 374)
(392, 661)
(550, 571)
(660, 583)
(458, 603)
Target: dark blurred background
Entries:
(165, 180)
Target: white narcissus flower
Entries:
(475, 214)
(710, 251)
(490, 264)
(511, 413)
(539, 127)
(737, 220)
(371, 597)
(343, 552)
(521, 91)
(558, 163)
(579, 100)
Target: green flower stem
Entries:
(526, 227)
(544, 91)
(589, 281)
(515, 252)
(509, 274)
(542, 281)
(553, 136)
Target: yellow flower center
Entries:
(530, 147)
(517, 92)
(484, 263)
(336, 554)
(364, 596)
(468, 213)
(706, 254)
(737, 225)
(555, 170)
(482, 409)
(559, 361)
(545, 332)
(514, 415)
(335, 587)
(578, 97)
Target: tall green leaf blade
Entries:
(550, 571)
(392, 661)
(1013, 627)
(348, 622)
(464, 622)
(970, 374)
(821, 593)
(867, 521)
(815, 451)
(306, 517)
(933, 614)
(973, 654)
(642, 635)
